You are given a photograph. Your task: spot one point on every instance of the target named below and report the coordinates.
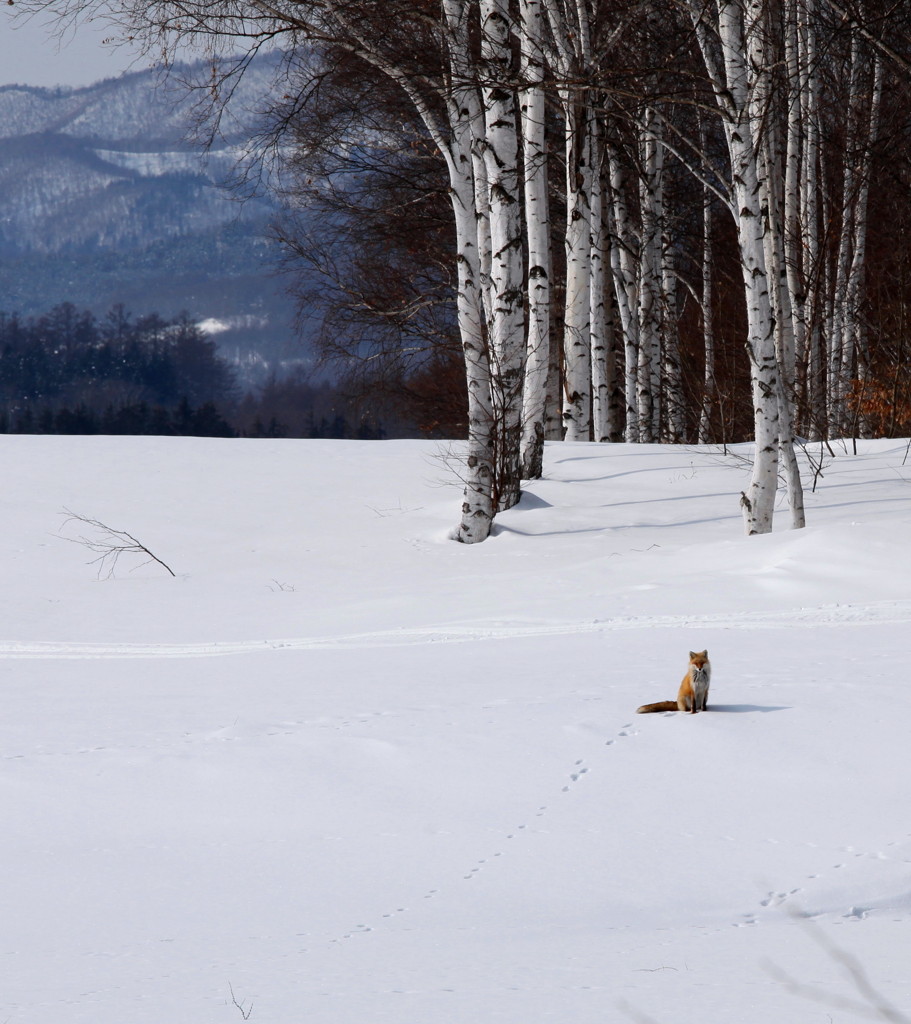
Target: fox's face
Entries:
(699, 658)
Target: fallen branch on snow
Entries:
(109, 544)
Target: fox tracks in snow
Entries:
(577, 774)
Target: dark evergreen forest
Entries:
(67, 372)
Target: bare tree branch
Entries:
(109, 544)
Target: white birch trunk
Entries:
(553, 408)
(577, 311)
(464, 112)
(648, 398)
(792, 232)
(747, 62)
(809, 222)
(674, 404)
(571, 60)
(854, 353)
(616, 406)
(537, 227)
(482, 216)
(742, 37)
(625, 288)
(839, 353)
(507, 333)
(708, 321)
(782, 311)
(741, 92)
(478, 499)
(784, 341)
(601, 336)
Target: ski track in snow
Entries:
(878, 613)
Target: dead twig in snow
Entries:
(109, 544)
(240, 1006)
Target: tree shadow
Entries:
(528, 500)
(742, 709)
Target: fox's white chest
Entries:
(700, 678)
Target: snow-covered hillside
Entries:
(121, 149)
(106, 201)
(340, 769)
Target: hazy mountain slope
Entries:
(105, 198)
(113, 164)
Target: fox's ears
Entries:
(699, 654)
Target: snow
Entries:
(219, 325)
(156, 163)
(340, 769)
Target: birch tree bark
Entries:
(741, 94)
(672, 383)
(708, 318)
(624, 275)
(507, 335)
(810, 233)
(782, 310)
(855, 356)
(537, 228)
(577, 309)
(602, 339)
(791, 229)
(463, 109)
(570, 56)
(651, 203)
(838, 301)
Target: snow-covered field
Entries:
(341, 770)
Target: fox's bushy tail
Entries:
(661, 705)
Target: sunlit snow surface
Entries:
(342, 770)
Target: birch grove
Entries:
(662, 216)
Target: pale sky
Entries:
(31, 55)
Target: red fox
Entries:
(693, 694)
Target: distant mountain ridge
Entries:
(116, 108)
(99, 153)
(138, 107)
(105, 199)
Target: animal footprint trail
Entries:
(855, 912)
(748, 920)
(473, 871)
(775, 899)
(577, 773)
(625, 732)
